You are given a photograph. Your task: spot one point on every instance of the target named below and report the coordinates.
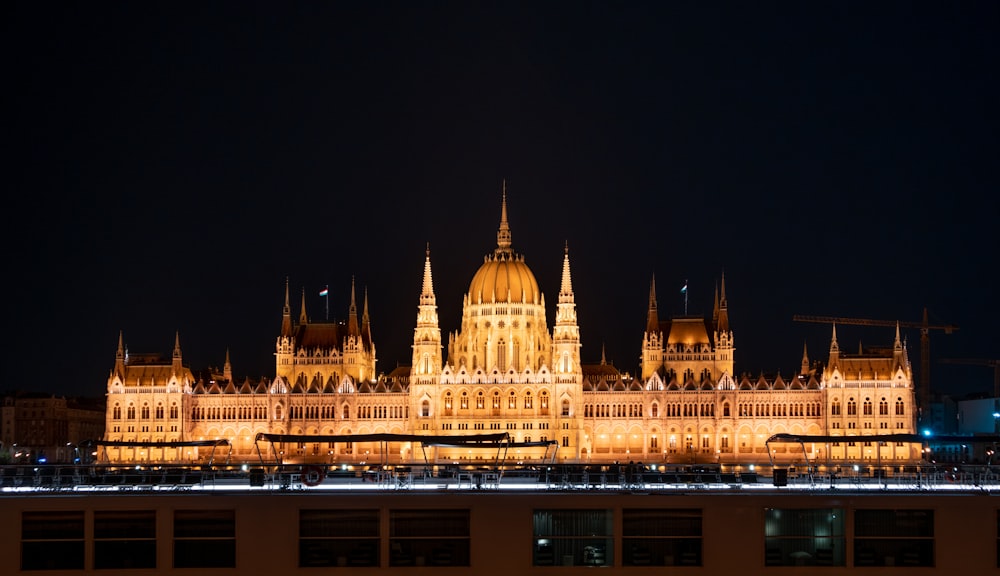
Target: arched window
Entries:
(883, 407)
(565, 407)
(447, 400)
(899, 407)
(117, 412)
(347, 412)
(835, 408)
(425, 409)
(654, 410)
(480, 401)
(512, 401)
(725, 409)
(145, 411)
(852, 407)
(867, 407)
(527, 399)
(131, 412)
(465, 401)
(496, 400)
(159, 411)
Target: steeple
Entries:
(722, 323)
(652, 319)
(227, 368)
(120, 356)
(804, 369)
(427, 289)
(366, 327)
(177, 365)
(303, 319)
(352, 321)
(834, 349)
(286, 314)
(427, 359)
(566, 332)
(566, 287)
(503, 234)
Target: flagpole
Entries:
(327, 298)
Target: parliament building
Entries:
(505, 370)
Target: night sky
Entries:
(172, 164)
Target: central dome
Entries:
(504, 278)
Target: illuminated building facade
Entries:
(506, 371)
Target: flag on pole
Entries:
(684, 289)
(324, 291)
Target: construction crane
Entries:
(924, 398)
(995, 364)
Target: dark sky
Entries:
(171, 164)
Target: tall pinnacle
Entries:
(427, 291)
(652, 319)
(503, 235)
(566, 288)
(352, 321)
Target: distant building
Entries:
(506, 371)
(38, 427)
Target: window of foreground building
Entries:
(338, 538)
(894, 538)
(125, 539)
(429, 537)
(666, 537)
(573, 537)
(52, 541)
(204, 539)
(804, 537)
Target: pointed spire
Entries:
(503, 234)
(427, 290)
(715, 307)
(604, 359)
(722, 324)
(722, 298)
(352, 327)
(566, 287)
(177, 362)
(652, 319)
(227, 368)
(834, 347)
(286, 314)
(805, 359)
(121, 356)
(303, 318)
(366, 327)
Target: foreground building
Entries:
(222, 525)
(507, 371)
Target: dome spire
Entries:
(503, 235)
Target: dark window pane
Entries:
(204, 523)
(125, 554)
(204, 553)
(338, 523)
(125, 524)
(51, 525)
(52, 555)
(429, 522)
